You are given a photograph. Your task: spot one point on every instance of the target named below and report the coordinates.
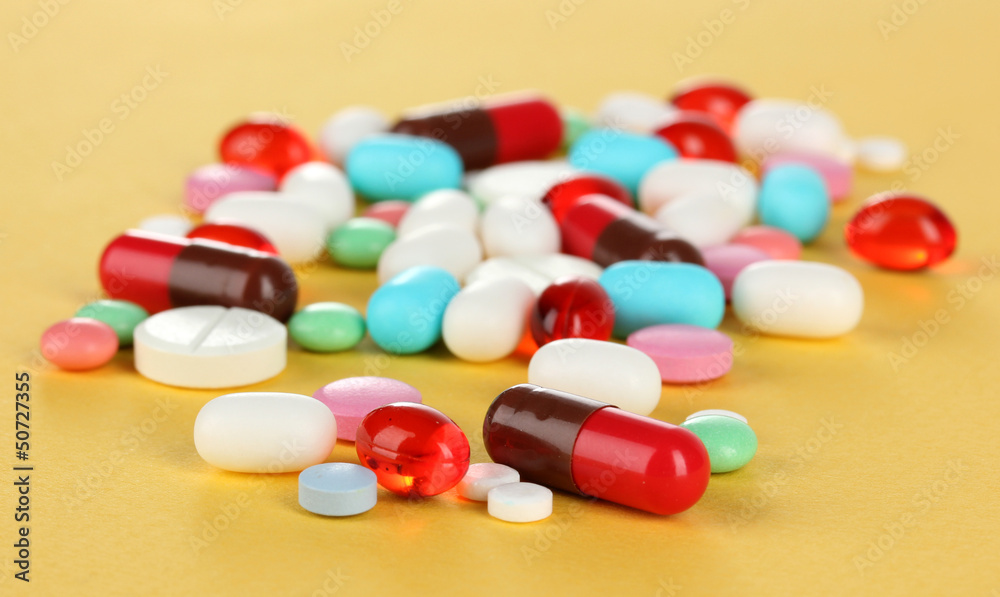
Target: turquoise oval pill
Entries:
(122, 316)
(327, 327)
(406, 313)
(625, 157)
(730, 442)
(794, 198)
(648, 293)
(359, 242)
(391, 166)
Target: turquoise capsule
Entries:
(625, 157)
(648, 293)
(729, 440)
(390, 166)
(122, 316)
(405, 315)
(794, 198)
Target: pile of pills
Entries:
(615, 243)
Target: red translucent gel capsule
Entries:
(501, 129)
(584, 446)
(719, 100)
(572, 308)
(606, 231)
(266, 144)
(565, 194)
(414, 449)
(696, 135)
(160, 272)
(901, 232)
(232, 234)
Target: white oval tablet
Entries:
(444, 206)
(537, 271)
(515, 226)
(677, 178)
(529, 179)
(264, 432)
(297, 229)
(210, 347)
(325, 187)
(486, 320)
(605, 371)
(881, 154)
(348, 126)
(519, 502)
(454, 249)
(702, 220)
(802, 299)
(766, 127)
(629, 110)
(484, 476)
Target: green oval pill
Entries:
(728, 439)
(327, 327)
(359, 242)
(122, 316)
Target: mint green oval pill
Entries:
(122, 316)
(327, 327)
(359, 242)
(575, 124)
(727, 437)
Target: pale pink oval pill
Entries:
(209, 183)
(352, 398)
(726, 261)
(837, 175)
(685, 353)
(776, 242)
(79, 344)
(390, 212)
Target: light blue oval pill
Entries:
(794, 198)
(337, 489)
(625, 157)
(405, 315)
(391, 166)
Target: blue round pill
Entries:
(794, 198)
(625, 157)
(337, 489)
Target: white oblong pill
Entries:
(676, 178)
(881, 154)
(559, 265)
(348, 126)
(167, 224)
(507, 267)
(801, 299)
(484, 476)
(295, 228)
(324, 187)
(605, 371)
(702, 220)
(767, 126)
(337, 489)
(528, 179)
(210, 347)
(516, 226)
(486, 320)
(629, 110)
(264, 432)
(449, 247)
(444, 206)
(519, 502)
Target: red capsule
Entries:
(572, 308)
(265, 143)
(696, 135)
(719, 100)
(901, 232)
(565, 194)
(232, 234)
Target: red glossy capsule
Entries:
(160, 272)
(232, 234)
(607, 231)
(501, 129)
(719, 100)
(696, 135)
(564, 195)
(415, 450)
(265, 143)
(592, 448)
(901, 232)
(572, 308)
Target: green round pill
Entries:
(359, 242)
(727, 437)
(122, 316)
(575, 124)
(327, 327)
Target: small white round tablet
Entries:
(167, 224)
(716, 411)
(337, 489)
(210, 347)
(520, 502)
(484, 476)
(881, 154)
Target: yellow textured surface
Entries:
(870, 479)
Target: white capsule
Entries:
(702, 220)
(676, 178)
(765, 127)
(537, 271)
(290, 222)
(445, 206)
(348, 126)
(633, 111)
(486, 320)
(323, 186)
(447, 246)
(515, 226)
(529, 179)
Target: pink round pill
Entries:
(352, 398)
(776, 242)
(837, 175)
(79, 344)
(726, 261)
(685, 353)
(387, 211)
(209, 183)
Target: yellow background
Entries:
(118, 495)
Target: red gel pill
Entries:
(265, 143)
(697, 136)
(572, 308)
(722, 101)
(564, 195)
(901, 232)
(232, 234)
(592, 448)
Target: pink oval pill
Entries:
(209, 183)
(352, 398)
(726, 261)
(837, 175)
(387, 211)
(79, 344)
(776, 242)
(685, 353)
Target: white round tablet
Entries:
(716, 411)
(210, 347)
(881, 154)
(337, 489)
(519, 502)
(484, 476)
